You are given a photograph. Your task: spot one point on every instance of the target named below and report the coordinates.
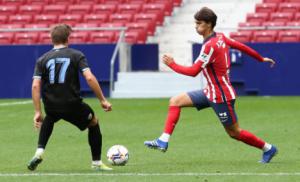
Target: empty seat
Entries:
(120, 18)
(177, 2)
(38, 2)
(281, 17)
(244, 36)
(293, 24)
(248, 25)
(114, 1)
(3, 19)
(26, 38)
(64, 2)
(45, 19)
(273, 24)
(289, 36)
(167, 5)
(86, 25)
(273, 1)
(95, 18)
(149, 18)
(6, 37)
(138, 36)
(265, 7)
(289, 7)
(20, 19)
(11, 26)
(44, 38)
(13, 2)
(102, 37)
(91, 2)
(257, 17)
(264, 36)
(129, 8)
(109, 25)
(30, 9)
(157, 9)
(293, 1)
(8, 10)
(55, 9)
(140, 27)
(104, 8)
(138, 1)
(36, 26)
(79, 9)
(79, 37)
(297, 17)
(70, 19)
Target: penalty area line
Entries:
(15, 103)
(148, 174)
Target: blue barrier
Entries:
(252, 77)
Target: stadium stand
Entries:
(141, 17)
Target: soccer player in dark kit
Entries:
(56, 77)
(214, 62)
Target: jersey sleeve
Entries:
(206, 55)
(242, 47)
(38, 70)
(83, 64)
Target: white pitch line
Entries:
(15, 103)
(148, 174)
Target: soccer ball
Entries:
(117, 155)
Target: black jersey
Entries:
(59, 71)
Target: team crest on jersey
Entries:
(223, 117)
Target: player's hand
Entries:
(106, 105)
(271, 61)
(37, 120)
(167, 59)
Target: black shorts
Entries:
(80, 115)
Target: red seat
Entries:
(45, 38)
(149, 18)
(138, 1)
(63, 2)
(293, 24)
(45, 19)
(177, 2)
(95, 18)
(114, 1)
(155, 9)
(167, 5)
(103, 37)
(86, 25)
(281, 17)
(8, 10)
(265, 7)
(38, 2)
(26, 38)
(140, 27)
(120, 18)
(91, 2)
(6, 37)
(257, 17)
(30, 9)
(36, 26)
(129, 8)
(79, 37)
(20, 19)
(289, 36)
(293, 1)
(70, 19)
(3, 19)
(55, 9)
(289, 7)
(244, 36)
(13, 2)
(139, 37)
(273, 24)
(11, 26)
(248, 25)
(264, 36)
(297, 17)
(273, 1)
(80, 9)
(104, 8)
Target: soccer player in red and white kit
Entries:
(214, 62)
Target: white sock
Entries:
(97, 163)
(267, 147)
(165, 137)
(39, 152)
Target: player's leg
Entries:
(44, 135)
(227, 116)
(190, 99)
(83, 117)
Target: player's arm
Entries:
(36, 99)
(251, 52)
(193, 70)
(94, 85)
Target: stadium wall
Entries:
(253, 78)
(18, 65)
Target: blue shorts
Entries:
(225, 111)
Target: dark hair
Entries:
(60, 33)
(207, 15)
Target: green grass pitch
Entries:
(199, 149)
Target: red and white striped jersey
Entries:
(214, 62)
